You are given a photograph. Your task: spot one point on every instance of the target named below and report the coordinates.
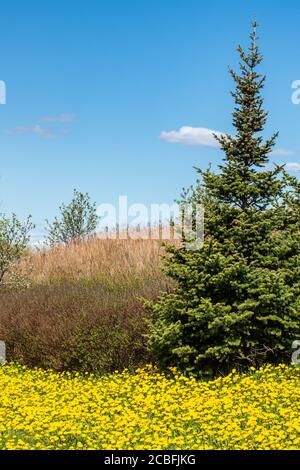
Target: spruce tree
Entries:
(236, 301)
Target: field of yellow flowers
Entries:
(146, 410)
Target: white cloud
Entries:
(20, 130)
(203, 137)
(62, 118)
(43, 132)
(192, 136)
(40, 131)
(282, 153)
(292, 166)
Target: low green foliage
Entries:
(72, 326)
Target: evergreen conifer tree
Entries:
(236, 301)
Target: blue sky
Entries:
(91, 85)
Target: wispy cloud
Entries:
(61, 118)
(282, 152)
(20, 130)
(192, 136)
(292, 166)
(42, 132)
(38, 130)
(46, 132)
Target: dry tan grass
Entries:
(98, 259)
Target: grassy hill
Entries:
(84, 307)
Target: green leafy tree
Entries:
(78, 220)
(14, 239)
(237, 298)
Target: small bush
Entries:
(74, 327)
(78, 220)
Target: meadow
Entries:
(147, 410)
